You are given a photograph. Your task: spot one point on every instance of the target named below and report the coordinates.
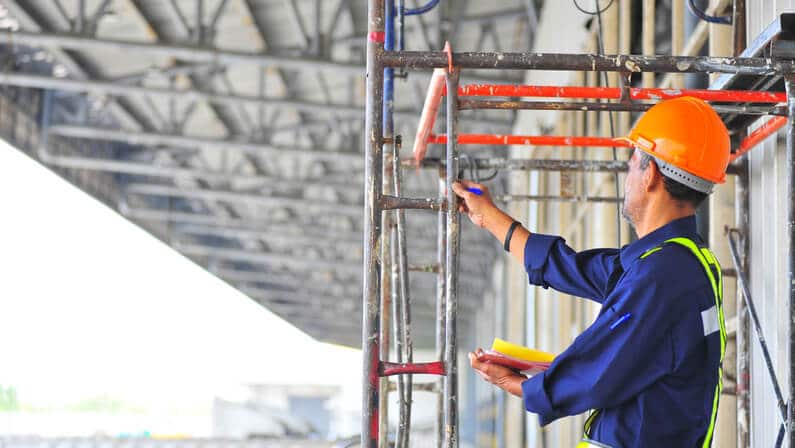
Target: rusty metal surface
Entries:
(589, 62)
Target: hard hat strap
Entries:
(683, 177)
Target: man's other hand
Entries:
(500, 376)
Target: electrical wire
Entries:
(701, 14)
(422, 9)
(601, 51)
(593, 13)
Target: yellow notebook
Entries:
(520, 351)
(525, 360)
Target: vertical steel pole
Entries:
(402, 286)
(388, 285)
(441, 304)
(451, 268)
(372, 223)
(387, 301)
(790, 86)
(742, 335)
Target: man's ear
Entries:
(653, 178)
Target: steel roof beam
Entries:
(183, 141)
(176, 172)
(269, 200)
(123, 88)
(103, 87)
(197, 54)
(28, 22)
(268, 258)
(301, 283)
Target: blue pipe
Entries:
(389, 73)
(691, 5)
(422, 9)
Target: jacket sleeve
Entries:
(549, 262)
(606, 366)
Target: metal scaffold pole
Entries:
(372, 225)
(451, 267)
(441, 304)
(789, 81)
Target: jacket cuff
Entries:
(536, 252)
(536, 400)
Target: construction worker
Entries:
(649, 367)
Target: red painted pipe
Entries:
(615, 93)
(432, 368)
(756, 137)
(536, 140)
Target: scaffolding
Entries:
(742, 102)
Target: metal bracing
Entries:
(182, 141)
(158, 108)
(270, 259)
(183, 52)
(270, 200)
(99, 86)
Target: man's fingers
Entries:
(469, 184)
(460, 189)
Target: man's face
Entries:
(633, 190)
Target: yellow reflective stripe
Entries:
(588, 422)
(586, 443)
(714, 416)
(708, 260)
(649, 252)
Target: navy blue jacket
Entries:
(653, 375)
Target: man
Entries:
(648, 367)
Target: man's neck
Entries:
(658, 216)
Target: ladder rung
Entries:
(418, 387)
(391, 368)
(393, 202)
(433, 267)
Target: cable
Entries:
(422, 9)
(601, 51)
(725, 20)
(593, 13)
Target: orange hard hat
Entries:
(688, 137)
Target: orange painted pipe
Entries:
(615, 93)
(756, 137)
(535, 140)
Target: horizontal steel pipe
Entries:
(607, 166)
(431, 368)
(268, 200)
(394, 203)
(118, 88)
(602, 166)
(588, 62)
(617, 107)
(186, 53)
(740, 96)
(269, 258)
(758, 135)
(418, 387)
(534, 140)
(430, 268)
(552, 198)
(191, 142)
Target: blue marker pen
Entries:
(620, 321)
(477, 191)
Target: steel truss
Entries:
(380, 152)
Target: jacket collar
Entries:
(679, 227)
